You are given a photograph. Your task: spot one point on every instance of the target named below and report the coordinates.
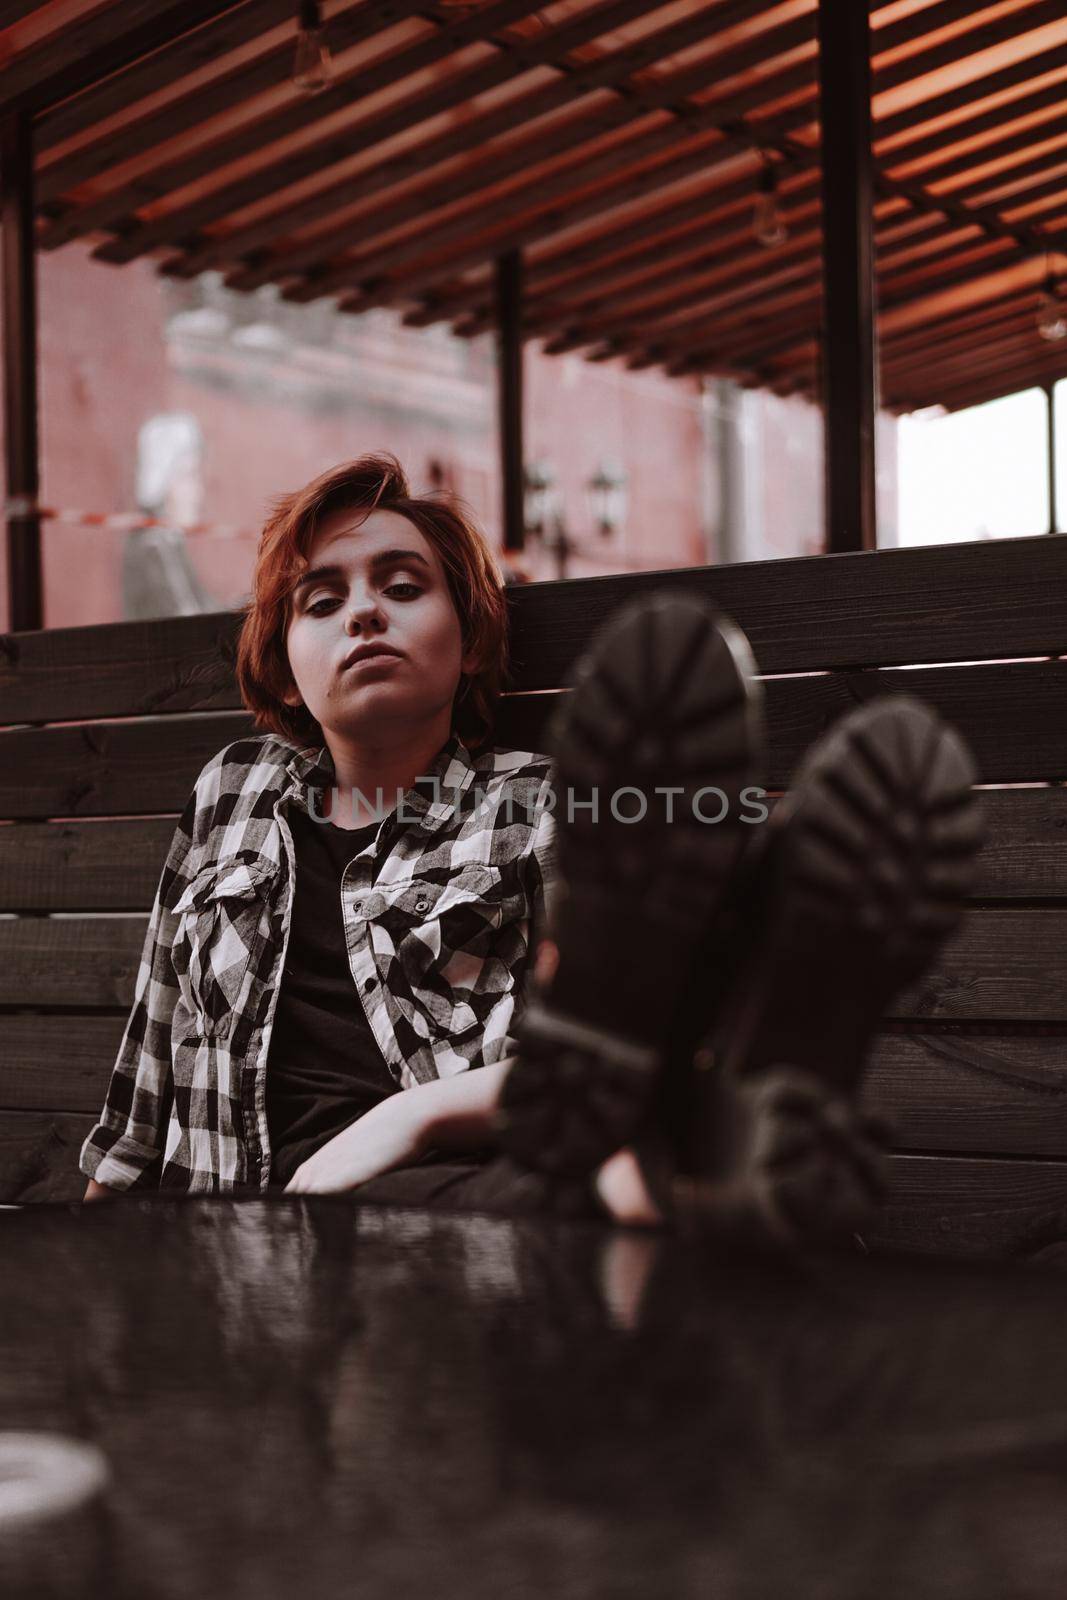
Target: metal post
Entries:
(1050, 412)
(19, 291)
(848, 274)
(509, 393)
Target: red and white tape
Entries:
(121, 521)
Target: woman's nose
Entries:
(363, 612)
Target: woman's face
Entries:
(374, 586)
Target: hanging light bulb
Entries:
(1052, 311)
(311, 64)
(767, 222)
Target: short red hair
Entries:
(371, 483)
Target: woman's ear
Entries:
(470, 663)
(293, 697)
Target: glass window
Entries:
(981, 473)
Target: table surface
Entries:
(301, 1397)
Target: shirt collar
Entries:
(430, 800)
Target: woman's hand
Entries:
(447, 1114)
(391, 1134)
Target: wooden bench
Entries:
(105, 728)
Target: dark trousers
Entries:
(448, 1182)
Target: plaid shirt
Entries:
(438, 945)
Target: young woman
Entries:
(342, 944)
(348, 904)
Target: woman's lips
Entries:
(380, 658)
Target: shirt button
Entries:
(357, 905)
(422, 905)
(369, 985)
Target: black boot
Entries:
(864, 868)
(665, 700)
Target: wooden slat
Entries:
(39, 1156)
(544, 208)
(83, 866)
(88, 962)
(103, 40)
(981, 1208)
(1012, 716)
(116, 208)
(991, 1094)
(102, 769)
(596, 253)
(726, 113)
(57, 1062)
(968, 1208)
(119, 669)
(115, 865)
(12, 11)
(210, 43)
(1003, 966)
(614, 69)
(1023, 856)
(410, 111)
(972, 1093)
(944, 603)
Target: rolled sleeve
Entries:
(125, 1148)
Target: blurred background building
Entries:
(198, 405)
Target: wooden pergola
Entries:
(584, 173)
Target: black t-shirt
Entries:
(325, 1068)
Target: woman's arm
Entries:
(449, 1113)
(97, 1191)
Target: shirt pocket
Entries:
(222, 943)
(446, 934)
(472, 892)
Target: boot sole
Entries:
(665, 699)
(875, 846)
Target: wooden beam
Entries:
(12, 11)
(118, 207)
(1012, 187)
(791, 334)
(726, 281)
(970, 160)
(723, 111)
(973, 91)
(21, 447)
(607, 276)
(730, 333)
(978, 387)
(510, 397)
(194, 108)
(1001, 349)
(613, 70)
(595, 254)
(97, 44)
(617, 252)
(989, 121)
(970, 388)
(148, 75)
(548, 205)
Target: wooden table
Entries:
(302, 1398)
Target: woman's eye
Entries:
(412, 588)
(318, 608)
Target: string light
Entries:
(1052, 309)
(311, 64)
(767, 222)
